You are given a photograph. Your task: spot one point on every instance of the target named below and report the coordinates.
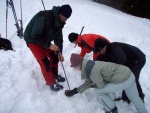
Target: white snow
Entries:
(22, 86)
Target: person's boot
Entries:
(56, 87)
(60, 78)
(114, 110)
(125, 98)
(142, 98)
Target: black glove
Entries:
(70, 93)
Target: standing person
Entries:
(43, 28)
(86, 42)
(109, 77)
(124, 54)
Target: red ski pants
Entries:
(48, 62)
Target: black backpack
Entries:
(5, 44)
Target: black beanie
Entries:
(65, 10)
(72, 37)
(99, 44)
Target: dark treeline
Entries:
(140, 8)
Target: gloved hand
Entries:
(70, 93)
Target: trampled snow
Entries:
(22, 86)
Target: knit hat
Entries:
(72, 37)
(99, 44)
(76, 60)
(65, 10)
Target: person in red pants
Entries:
(43, 28)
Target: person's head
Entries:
(76, 61)
(64, 12)
(73, 37)
(100, 45)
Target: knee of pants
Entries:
(54, 59)
(107, 101)
(46, 63)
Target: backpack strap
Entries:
(83, 43)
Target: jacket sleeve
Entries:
(95, 55)
(37, 34)
(88, 83)
(82, 53)
(97, 78)
(58, 40)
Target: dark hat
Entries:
(72, 37)
(65, 10)
(100, 44)
(76, 60)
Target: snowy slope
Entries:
(22, 87)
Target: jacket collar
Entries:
(87, 66)
(83, 72)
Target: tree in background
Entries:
(140, 8)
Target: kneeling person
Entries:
(109, 77)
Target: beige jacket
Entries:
(100, 73)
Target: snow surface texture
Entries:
(22, 86)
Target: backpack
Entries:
(5, 44)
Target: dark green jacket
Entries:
(45, 27)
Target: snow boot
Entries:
(60, 78)
(114, 110)
(56, 87)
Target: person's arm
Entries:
(82, 53)
(37, 34)
(88, 83)
(59, 40)
(95, 55)
(97, 78)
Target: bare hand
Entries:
(60, 57)
(54, 47)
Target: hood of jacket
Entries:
(58, 23)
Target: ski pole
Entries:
(79, 34)
(6, 16)
(105, 104)
(43, 4)
(81, 30)
(19, 32)
(65, 73)
(21, 23)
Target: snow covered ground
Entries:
(22, 86)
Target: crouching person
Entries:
(109, 77)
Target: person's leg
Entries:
(54, 65)
(44, 62)
(53, 61)
(133, 95)
(109, 88)
(136, 71)
(107, 101)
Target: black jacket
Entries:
(44, 28)
(124, 54)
